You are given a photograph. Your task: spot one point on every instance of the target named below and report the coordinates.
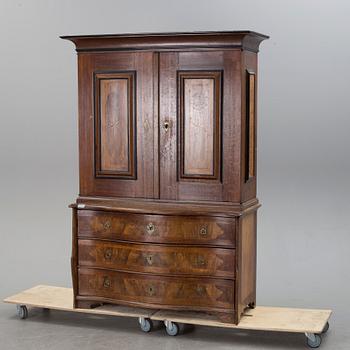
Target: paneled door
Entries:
(200, 98)
(116, 124)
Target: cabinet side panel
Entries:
(246, 274)
(74, 256)
(249, 125)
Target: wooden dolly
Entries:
(311, 322)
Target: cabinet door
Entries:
(116, 124)
(200, 113)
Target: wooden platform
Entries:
(260, 318)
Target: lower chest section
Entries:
(156, 261)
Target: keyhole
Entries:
(166, 126)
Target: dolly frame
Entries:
(311, 322)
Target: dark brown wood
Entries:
(157, 259)
(136, 182)
(115, 124)
(249, 126)
(166, 215)
(195, 230)
(156, 291)
(246, 263)
(74, 256)
(226, 143)
(200, 124)
(247, 40)
(167, 207)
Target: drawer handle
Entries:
(200, 261)
(149, 258)
(106, 282)
(200, 290)
(203, 231)
(107, 225)
(150, 228)
(108, 254)
(151, 290)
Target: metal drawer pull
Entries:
(200, 261)
(203, 231)
(106, 282)
(108, 254)
(200, 290)
(107, 225)
(150, 228)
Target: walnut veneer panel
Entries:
(158, 259)
(199, 109)
(115, 124)
(154, 290)
(156, 228)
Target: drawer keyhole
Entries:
(108, 254)
(149, 258)
(151, 290)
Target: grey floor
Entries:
(68, 331)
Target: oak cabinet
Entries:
(166, 214)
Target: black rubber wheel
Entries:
(325, 329)
(22, 312)
(146, 325)
(172, 328)
(314, 343)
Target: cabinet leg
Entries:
(252, 305)
(83, 304)
(225, 317)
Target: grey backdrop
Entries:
(304, 163)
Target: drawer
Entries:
(156, 228)
(159, 259)
(189, 293)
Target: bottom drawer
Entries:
(187, 293)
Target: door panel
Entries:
(199, 113)
(116, 125)
(200, 105)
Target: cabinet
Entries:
(166, 213)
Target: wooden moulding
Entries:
(246, 40)
(280, 319)
(163, 207)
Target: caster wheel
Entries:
(172, 328)
(326, 327)
(22, 312)
(146, 324)
(315, 342)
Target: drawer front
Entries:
(156, 290)
(160, 259)
(156, 228)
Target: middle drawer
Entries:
(159, 259)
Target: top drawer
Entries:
(156, 228)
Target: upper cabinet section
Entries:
(246, 40)
(168, 116)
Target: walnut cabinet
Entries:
(166, 213)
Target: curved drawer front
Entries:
(156, 228)
(157, 258)
(156, 290)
